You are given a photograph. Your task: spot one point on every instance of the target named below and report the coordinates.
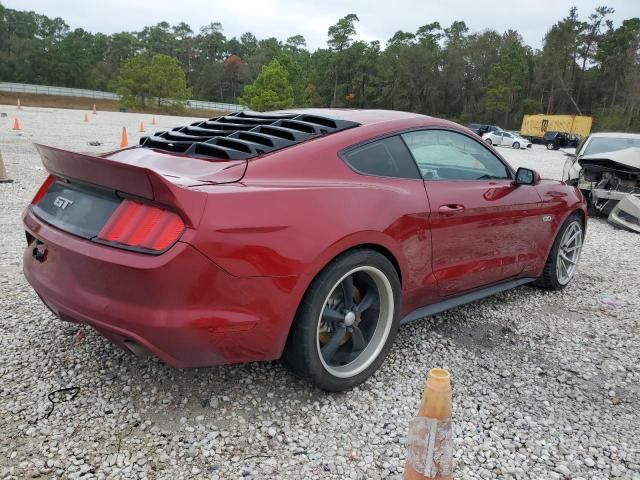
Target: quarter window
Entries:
(445, 155)
(387, 157)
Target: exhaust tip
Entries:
(135, 348)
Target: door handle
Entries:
(451, 208)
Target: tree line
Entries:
(585, 66)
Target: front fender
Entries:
(561, 200)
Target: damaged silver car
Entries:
(606, 167)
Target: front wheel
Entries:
(550, 146)
(346, 322)
(516, 145)
(562, 262)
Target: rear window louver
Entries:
(243, 135)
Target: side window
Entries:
(387, 157)
(445, 155)
(507, 135)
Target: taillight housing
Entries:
(142, 226)
(43, 189)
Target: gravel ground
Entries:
(545, 384)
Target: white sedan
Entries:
(506, 139)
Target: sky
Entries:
(379, 20)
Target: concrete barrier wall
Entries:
(81, 92)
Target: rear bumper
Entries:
(180, 306)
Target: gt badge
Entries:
(62, 202)
(546, 218)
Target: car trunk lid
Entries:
(85, 192)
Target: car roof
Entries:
(247, 134)
(615, 135)
(363, 117)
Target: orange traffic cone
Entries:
(94, 109)
(141, 128)
(16, 124)
(86, 119)
(153, 120)
(19, 107)
(3, 172)
(124, 141)
(430, 439)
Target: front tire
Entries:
(550, 146)
(516, 145)
(561, 264)
(346, 322)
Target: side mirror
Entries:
(569, 152)
(526, 176)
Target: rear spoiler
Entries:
(125, 178)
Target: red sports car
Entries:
(306, 234)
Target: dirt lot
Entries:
(545, 384)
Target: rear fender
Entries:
(358, 239)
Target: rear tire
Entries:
(550, 146)
(488, 140)
(337, 343)
(516, 145)
(560, 267)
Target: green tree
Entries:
(270, 91)
(133, 80)
(507, 80)
(454, 68)
(295, 43)
(158, 39)
(159, 76)
(297, 77)
(340, 37)
(589, 38)
(168, 79)
(210, 83)
(586, 65)
(481, 53)
(618, 77)
(557, 63)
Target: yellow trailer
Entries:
(535, 126)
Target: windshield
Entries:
(604, 144)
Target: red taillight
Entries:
(43, 189)
(141, 225)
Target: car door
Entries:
(507, 139)
(563, 140)
(484, 228)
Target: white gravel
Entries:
(545, 384)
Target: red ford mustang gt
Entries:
(306, 234)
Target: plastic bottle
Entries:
(430, 439)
